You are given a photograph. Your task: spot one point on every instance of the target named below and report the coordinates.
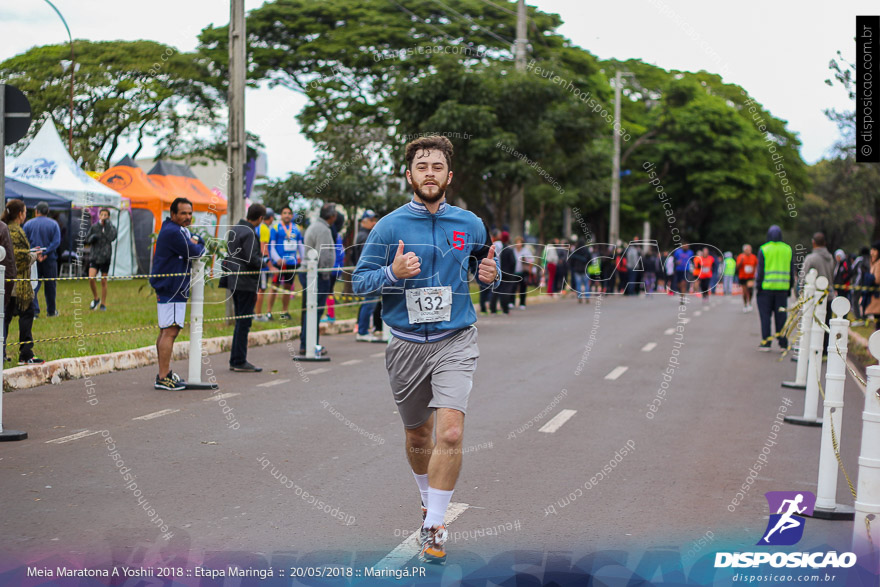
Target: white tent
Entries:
(46, 163)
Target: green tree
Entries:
(856, 183)
(124, 90)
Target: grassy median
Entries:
(131, 304)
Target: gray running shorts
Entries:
(431, 375)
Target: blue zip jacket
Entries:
(444, 242)
(174, 253)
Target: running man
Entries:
(417, 258)
(746, 265)
(786, 522)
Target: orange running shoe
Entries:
(433, 550)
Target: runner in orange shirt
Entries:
(746, 265)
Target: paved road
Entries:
(550, 408)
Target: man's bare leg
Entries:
(419, 446)
(446, 458)
(92, 273)
(165, 346)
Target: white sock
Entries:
(422, 481)
(438, 501)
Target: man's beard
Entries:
(429, 199)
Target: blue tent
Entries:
(32, 195)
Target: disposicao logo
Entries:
(785, 528)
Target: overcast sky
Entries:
(778, 51)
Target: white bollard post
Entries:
(196, 326)
(832, 422)
(312, 308)
(5, 435)
(197, 313)
(805, 325)
(814, 367)
(866, 527)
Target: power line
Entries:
(473, 22)
(507, 10)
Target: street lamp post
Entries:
(72, 70)
(614, 219)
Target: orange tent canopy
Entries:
(179, 181)
(129, 180)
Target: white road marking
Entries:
(668, 331)
(617, 372)
(410, 547)
(698, 313)
(382, 354)
(219, 396)
(76, 436)
(158, 414)
(273, 383)
(649, 347)
(316, 371)
(556, 422)
(685, 320)
(354, 361)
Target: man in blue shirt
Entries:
(176, 247)
(683, 258)
(418, 257)
(43, 232)
(285, 252)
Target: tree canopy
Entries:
(135, 90)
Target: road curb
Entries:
(54, 372)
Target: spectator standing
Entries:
(820, 260)
(524, 261)
(365, 312)
(653, 271)
(286, 247)
(873, 307)
(635, 268)
(561, 267)
(507, 260)
(842, 274)
(319, 238)
(20, 300)
(267, 269)
(100, 237)
(44, 233)
(338, 264)
(550, 259)
(176, 247)
(681, 283)
(861, 269)
(578, 261)
(244, 258)
(486, 295)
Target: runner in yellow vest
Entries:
(775, 278)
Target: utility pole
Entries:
(236, 150)
(614, 220)
(518, 201)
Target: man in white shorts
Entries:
(418, 258)
(176, 247)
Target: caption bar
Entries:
(867, 60)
